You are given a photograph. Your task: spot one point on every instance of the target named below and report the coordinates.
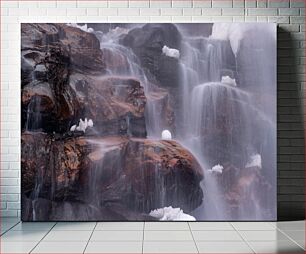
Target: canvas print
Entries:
(148, 122)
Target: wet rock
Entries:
(161, 101)
(35, 35)
(169, 175)
(147, 43)
(115, 61)
(115, 104)
(84, 49)
(35, 158)
(50, 52)
(137, 175)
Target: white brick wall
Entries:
(288, 13)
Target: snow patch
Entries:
(171, 214)
(83, 125)
(216, 169)
(171, 52)
(255, 161)
(83, 28)
(234, 32)
(166, 134)
(227, 31)
(228, 81)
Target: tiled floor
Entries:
(152, 237)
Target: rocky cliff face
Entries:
(135, 174)
(147, 43)
(111, 172)
(61, 77)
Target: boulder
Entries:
(147, 43)
(135, 175)
(84, 49)
(49, 53)
(115, 104)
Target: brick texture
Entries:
(289, 14)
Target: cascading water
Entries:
(213, 119)
(122, 61)
(217, 118)
(33, 114)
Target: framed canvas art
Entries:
(148, 122)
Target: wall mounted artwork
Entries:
(148, 122)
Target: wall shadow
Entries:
(290, 129)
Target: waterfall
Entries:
(216, 121)
(219, 124)
(33, 114)
(121, 61)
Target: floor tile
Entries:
(69, 236)
(166, 226)
(301, 243)
(169, 247)
(223, 247)
(276, 247)
(64, 226)
(5, 226)
(168, 236)
(273, 235)
(107, 236)
(114, 247)
(17, 247)
(9, 220)
(23, 236)
(291, 225)
(216, 236)
(253, 226)
(119, 226)
(60, 247)
(33, 226)
(221, 226)
(297, 235)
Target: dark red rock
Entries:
(115, 104)
(137, 175)
(147, 42)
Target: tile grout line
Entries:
(10, 228)
(90, 237)
(193, 238)
(42, 238)
(273, 225)
(247, 243)
(143, 232)
(290, 238)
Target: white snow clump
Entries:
(83, 125)
(83, 28)
(166, 134)
(255, 161)
(171, 214)
(171, 52)
(228, 81)
(216, 169)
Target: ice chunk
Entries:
(228, 81)
(216, 169)
(171, 52)
(83, 125)
(73, 127)
(255, 161)
(83, 28)
(90, 123)
(171, 214)
(166, 134)
(234, 32)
